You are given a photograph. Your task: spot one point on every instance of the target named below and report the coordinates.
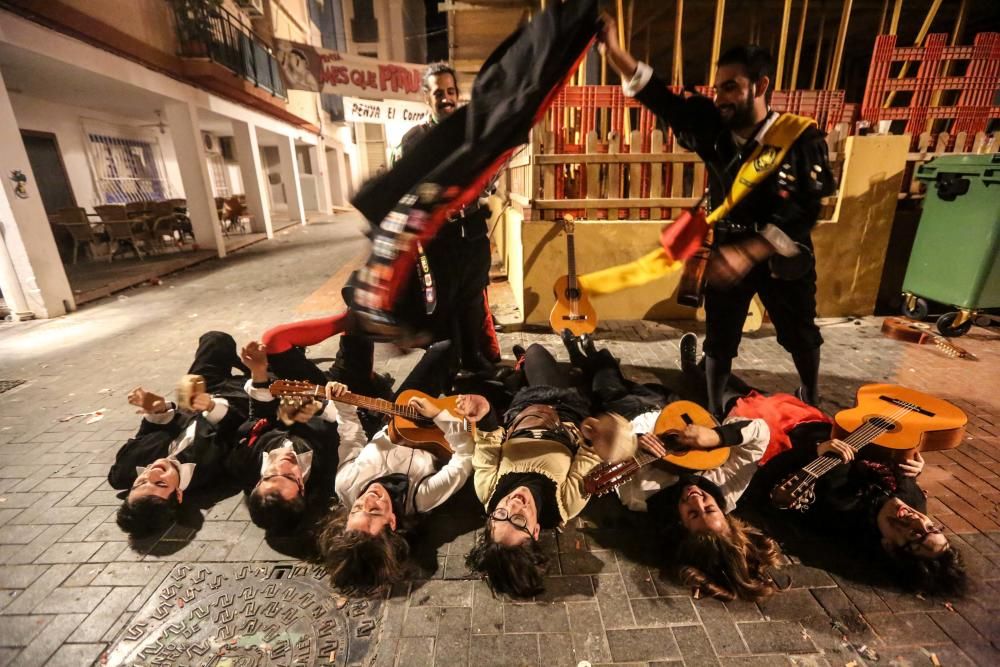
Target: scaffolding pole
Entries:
(786, 19)
(924, 29)
(794, 82)
(896, 11)
(678, 75)
(720, 11)
(838, 52)
(819, 51)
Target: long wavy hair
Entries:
(730, 566)
(359, 563)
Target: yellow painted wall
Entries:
(850, 252)
(150, 21)
(599, 244)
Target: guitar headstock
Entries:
(293, 388)
(569, 223)
(795, 492)
(950, 348)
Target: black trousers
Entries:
(215, 359)
(791, 305)
(613, 392)
(459, 259)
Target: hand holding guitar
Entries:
(838, 448)
(473, 407)
(424, 407)
(696, 436)
(650, 443)
(335, 390)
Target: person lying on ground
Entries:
(529, 474)
(708, 549)
(176, 450)
(873, 504)
(286, 452)
(383, 488)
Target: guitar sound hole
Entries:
(886, 425)
(572, 293)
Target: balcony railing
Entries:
(223, 39)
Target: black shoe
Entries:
(577, 357)
(587, 345)
(519, 352)
(802, 394)
(689, 352)
(478, 366)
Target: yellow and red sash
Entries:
(762, 162)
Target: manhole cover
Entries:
(7, 385)
(240, 615)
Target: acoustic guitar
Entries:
(673, 419)
(572, 309)
(912, 331)
(407, 426)
(897, 418)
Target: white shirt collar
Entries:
(184, 470)
(270, 458)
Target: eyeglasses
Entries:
(519, 521)
(918, 536)
(287, 476)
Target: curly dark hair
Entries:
(435, 69)
(516, 571)
(147, 515)
(730, 566)
(943, 575)
(273, 513)
(357, 562)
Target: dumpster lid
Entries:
(958, 164)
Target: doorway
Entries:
(50, 172)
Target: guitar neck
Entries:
(571, 260)
(856, 441)
(374, 404)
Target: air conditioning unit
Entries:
(252, 7)
(211, 143)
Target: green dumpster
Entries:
(956, 253)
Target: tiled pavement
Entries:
(70, 583)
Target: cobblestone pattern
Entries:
(69, 583)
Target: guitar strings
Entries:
(856, 440)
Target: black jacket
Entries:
(847, 497)
(264, 432)
(792, 205)
(152, 442)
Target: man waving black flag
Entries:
(449, 166)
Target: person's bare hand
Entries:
(607, 35)
(147, 402)
(699, 437)
(838, 448)
(202, 402)
(731, 262)
(652, 444)
(254, 355)
(308, 411)
(912, 467)
(425, 407)
(473, 407)
(335, 389)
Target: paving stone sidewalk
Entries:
(70, 583)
